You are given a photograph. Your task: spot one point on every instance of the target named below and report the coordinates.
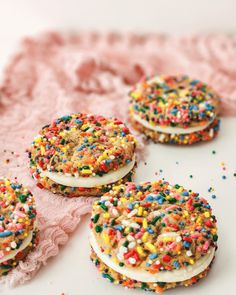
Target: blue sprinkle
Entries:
(186, 263)
(160, 201)
(130, 206)
(77, 121)
(149, 198)
(6, 233)
(153, 256)
(176, 264)
(118, 227)
(186, 244)
(151, 231)
(213, 196)
(81, 147)
(185, 194)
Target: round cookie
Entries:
(17, 224)
(175, 109)
(152, 236)
(82, 155)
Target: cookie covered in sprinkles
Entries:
(18, 234)
(175, 109)
(82, 155)
(152, 236)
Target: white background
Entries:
(71, 272)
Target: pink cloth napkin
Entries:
(57, 74)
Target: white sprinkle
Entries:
(125, 222)
(120, 256)
(135, 225)
(123, 249)
(114, 212)
(130, 238)
(132, 213)
(131, 245)
(132, 260)
(13, 245)
(189, 253)
(178, 239)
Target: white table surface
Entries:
(71, 272)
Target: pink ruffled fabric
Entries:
(56, 74)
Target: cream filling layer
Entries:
(13, 253)
(92, 181)
(171, 130)
(141, 275)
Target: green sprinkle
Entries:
(177, 186)
(121, 264)
(161, 284)
(126, 243)
(213, 152)
(109, 278)
(154, 221)
(104, 207)
(22, 198)
(62, 141)
(191, 176)
(95, 218)
(98, 228)
(143, 286)
(172, 200)
(215, 238)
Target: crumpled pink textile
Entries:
(56, 74)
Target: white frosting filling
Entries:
(13, 253)
(177, 275)
(169, 129)
(92, 181)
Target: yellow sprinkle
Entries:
(7, 183)
(207, 214)
(106, 215)
(145, 213)
(145, 224)
(37, 140)
(123, 200)
(140, 251)
(139, 194)
(136, 206)
(127, 230)
(106, 238)
(140, 211)
(186, 213)
(86, 171)
(191, 261)
(42, 149)
(150, 247)
(135, 94)
(145, 236)
(199, 221)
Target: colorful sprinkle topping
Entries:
(17, 215)
(156, 226)
(174, 101)
(82, 145)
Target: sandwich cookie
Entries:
(175, 109)
(17, 224)
(82, 155)
(152, 236)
